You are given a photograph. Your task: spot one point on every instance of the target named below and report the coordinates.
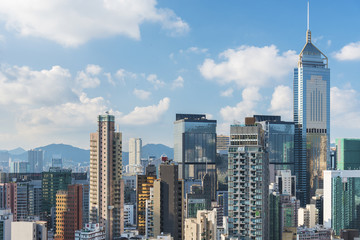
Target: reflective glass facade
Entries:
(312, 118)
(279, 137)
(195, 146)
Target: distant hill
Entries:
(17, 151)
(67, 152)
(157, 150)
(79, 155)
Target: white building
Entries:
(204, 226)
(135, 145)
(28, 230)
(308, 216)
(91, 231)
(129, 214)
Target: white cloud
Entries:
(153, 79)
(122, 75)
(345, 107)
(195, 50)
(74, 22)
(88, 78)
(249, 66)
(245, 108)
(349, 52)
(145, 115)
(62, 117)
(26, 87)
(227, 93)
(142, 94)
(281, 102)
(110, 78)
(178, 83)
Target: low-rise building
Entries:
(91, 231)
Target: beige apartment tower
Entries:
(106, 184)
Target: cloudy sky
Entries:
(63, 62)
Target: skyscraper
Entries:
(248, 182)
(35, 159)
(312, 119)
(135, 145)
(106, 185)
(195, 147)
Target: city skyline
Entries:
(241, 55)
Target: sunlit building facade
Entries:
(195, 147)
(312, 119)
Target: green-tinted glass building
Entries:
(52, 181)
(342, 200)
(348, 154)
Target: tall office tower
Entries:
(69, 212)
(35, 159)
(348, 154)
(341, 201)
(22, 201)
(61, 207)
(312, 119)
(248, 181)
(35, 196)
(6, 218)
(279, 139)
(144, 183)
(106, 185)
(195, 147)
(135, 145)
(52, 181)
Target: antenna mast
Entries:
(308, 16)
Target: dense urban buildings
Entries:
(312, 119)
(106, 185)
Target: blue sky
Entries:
(64, 62)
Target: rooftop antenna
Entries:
(308, 16)
(308, 32)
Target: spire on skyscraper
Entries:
(308, 32)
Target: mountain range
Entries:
(78, 155)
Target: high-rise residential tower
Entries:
(312, 119)
(195, 147)
(106, 185)
(135, 145)
(248, 188)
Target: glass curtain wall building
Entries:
(342, 200)
(312, 119)
(195, 147)
(279, 140)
